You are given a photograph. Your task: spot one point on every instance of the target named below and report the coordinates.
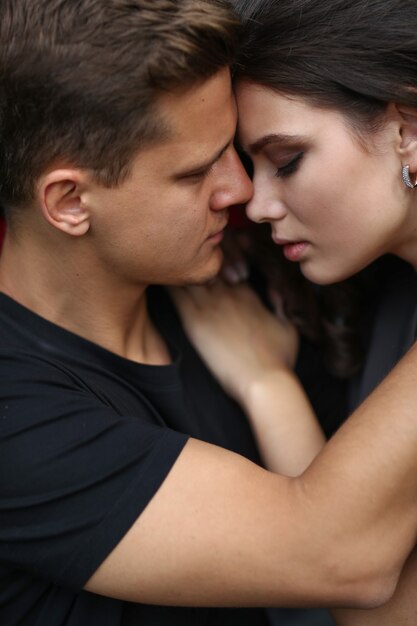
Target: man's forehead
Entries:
(197, 123)
(187, 111)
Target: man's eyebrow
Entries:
(202, 167)
(280, 138)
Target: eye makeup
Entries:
(289, 166)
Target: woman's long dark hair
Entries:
(354, 56)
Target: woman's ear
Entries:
(408, 129)
(61, 201)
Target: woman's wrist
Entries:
(283, 422)
(268, 386)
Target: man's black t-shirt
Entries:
(86, 439)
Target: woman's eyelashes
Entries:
(290, 167)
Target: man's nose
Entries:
(236, 186)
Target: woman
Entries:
(327, 95)
(327, 99)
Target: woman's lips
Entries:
(293, 250)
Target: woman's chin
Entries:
(321, 275)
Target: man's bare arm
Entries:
(222, 531)
(401, 610)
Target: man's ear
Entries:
(408, 129)
(60, 193)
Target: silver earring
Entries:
(406, 177)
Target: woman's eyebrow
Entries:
(280, 138)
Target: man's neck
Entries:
(83, 300)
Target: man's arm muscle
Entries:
(222, 531)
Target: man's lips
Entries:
(216, 237)
(218, 234)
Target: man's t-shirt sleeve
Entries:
(74, 475)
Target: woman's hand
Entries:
(237, 336)
(251, 352)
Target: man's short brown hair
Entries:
(79, 79)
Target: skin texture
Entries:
(344, 199)
(221, 531)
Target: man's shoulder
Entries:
(30, 347)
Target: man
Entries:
(117, 170)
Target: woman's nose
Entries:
(265, 204)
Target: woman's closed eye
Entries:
(290, 167)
